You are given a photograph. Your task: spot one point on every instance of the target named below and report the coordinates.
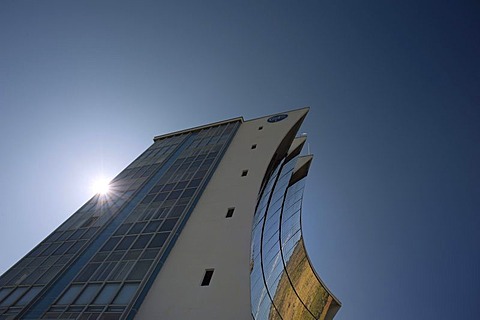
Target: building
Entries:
(205, 224)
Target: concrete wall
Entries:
(211, 241)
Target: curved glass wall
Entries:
(283, 282)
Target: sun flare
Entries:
(101, 185)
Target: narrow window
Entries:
(244, 173)
(230, 212)
(254, 146)
(260, 128)
(207, 277)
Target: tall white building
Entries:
(205, 224)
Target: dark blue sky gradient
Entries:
(393, 199)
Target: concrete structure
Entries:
(205, 224)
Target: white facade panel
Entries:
(209, 240)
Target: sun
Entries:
(101, 185)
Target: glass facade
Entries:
(101, 262)
(283, 282)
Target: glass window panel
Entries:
(17, 276)
(69, 296)
(123, 229)
(77, 246)
(148, 198)
(34, 275)
(132, 255)
(115, 256)
(87, 272)
(103, 271)
(126, 293)
(168, 225)
(50, 261)
(4, 292)
(156, 189)
(149, 254)
(158, 240)
(148, 213)
(142, 241)
(196, 164)
(65, 235)
(174, 195)
(139, 271)
(51, 248)
(90, 232)
(122, 273)
(176, 211)
(13, 296)
(168, 187)
(137, 228)
(200, 174)
(290, 246)
(188, 193)
(99, 257)
(107, 294)
(64, 259)
(126, 242)
(161, 213)
(212, 155)
(64, 247)
(295, 305)
(47, 276)
(77, 234)
(37, 261)
(110, 244)
(54, 236)
(183, 167)
(117, 270)
(160, 197)
(88, 294)
(152, 226)
(262, 306)
(181, 185)
(194, 183)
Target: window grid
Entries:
(151, 223)
(54, 253)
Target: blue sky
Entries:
(393, 197)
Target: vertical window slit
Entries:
(230, 212)
(207, 277)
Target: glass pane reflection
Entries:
(283, 283)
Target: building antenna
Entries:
(308, 148)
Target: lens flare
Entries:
(101, 186)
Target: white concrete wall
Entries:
(209, 240)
